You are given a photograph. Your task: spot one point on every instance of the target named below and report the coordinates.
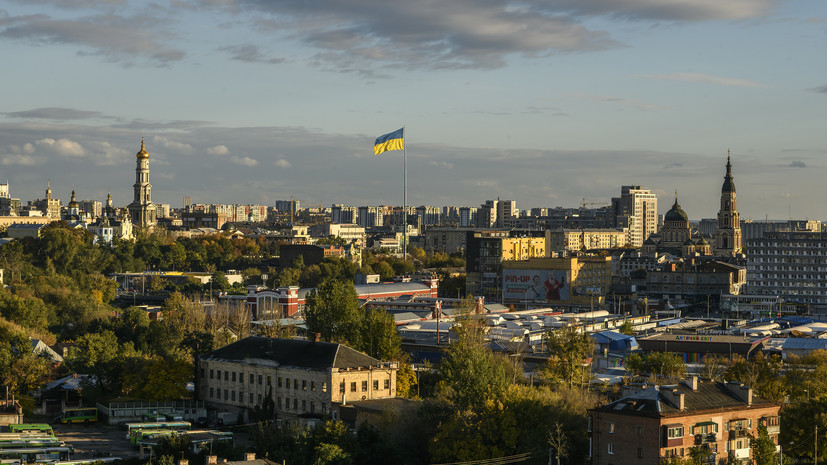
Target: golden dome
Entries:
(143, 153)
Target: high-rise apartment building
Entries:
(427, 215)
(790, 265)
(343, 214)
(467, 217)
(371, 216)
(636, 209)
(507, 213)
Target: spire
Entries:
(108, 198)
(729, 183)
(143, 153)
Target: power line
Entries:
(494, 461)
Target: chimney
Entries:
(743, 393)
(674, 396)
(317, 337)
(691, 383)
(250, 456)
(212, 459)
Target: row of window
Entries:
(229, 395)
(387, 385)
(252, 378)
(611, 450)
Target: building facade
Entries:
(304, 378)
(666, 421)
(576, 240)
(792, 265)
(636, 209)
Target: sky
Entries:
(546, 102)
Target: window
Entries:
(675, 432)
(295, 385)
(353, 386)
(233, 396)
(278, 401)
(233, 376)
(387, 384)
(211, 393)
(269, 380)
(640, 452)
(376, 385)
(279, 381)
(364, 386)
(295, 404)
(312, 407)
(304, 405)
(304, 385)
(286, 403)
(640, 431)
(312, 385)
(611, 448)
(324, 387)
(252, 378)
(240, 377)
(203, 375)
(341, 387)
(226, 394)
(251, 397)
(211, 373)
(260, 378)
(226, 375)
(259, 398)
(241, 396)
(610, 427)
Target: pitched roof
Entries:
(294, 352)
(655, 401)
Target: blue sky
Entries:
(545, 102)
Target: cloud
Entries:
(167, 143)
(623, 102)
(218, 150)
(702, 79)
(115, 38)
(797, 164)
(64, 147)
(282, 163)
(244, 161)
(144, 125)
(668, 10)
(820, 89)
(249, 53)
(54, 113)
(20, 160)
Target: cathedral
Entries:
(142, 209)
(675, 237)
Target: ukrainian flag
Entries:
(392, 141)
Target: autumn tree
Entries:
(570, 350)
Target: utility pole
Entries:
(815, 452)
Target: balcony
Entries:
(701, 439)
(738, 433)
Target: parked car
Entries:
(215, 423)
(201, 421)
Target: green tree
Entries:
(627, 328)
(660, 366)
(570, 350)
(470, 371)
(379, 337)
(763, 447)
(332, 310)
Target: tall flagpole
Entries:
(405, 193)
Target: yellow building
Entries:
(523, 248)
(575, 240)
(571, 280)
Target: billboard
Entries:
(535, 285)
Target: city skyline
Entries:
(544, 103)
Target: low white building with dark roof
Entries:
(304, 378)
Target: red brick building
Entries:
(664, 421)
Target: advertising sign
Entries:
(535, 285)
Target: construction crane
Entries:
(293, 206)
(587, 202)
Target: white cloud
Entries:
(218, 150)
(703, 79)
(167, 143)
(282, 163)
(20, 160)
(64, 147)
(244, 161)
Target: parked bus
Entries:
(29, 443)
(88, 461)
(31, 428)
(79, 415)
(168, 425)
(34, 454)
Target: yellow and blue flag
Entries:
(391, 141)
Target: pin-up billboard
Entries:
(535, 285)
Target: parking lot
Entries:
(95, 440)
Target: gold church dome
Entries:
(143, 153)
